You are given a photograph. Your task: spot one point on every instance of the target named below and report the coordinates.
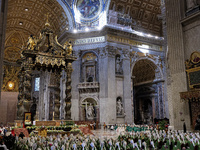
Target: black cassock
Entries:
(197, 125)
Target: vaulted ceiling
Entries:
(144, 71)
(28, 17)
(145, 14)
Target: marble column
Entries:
(3, 19)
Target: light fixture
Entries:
(26, 9)
(75, 31)
(67, 28)
(140, 33)
(20, 23)
(156, 37)
(10, 85)
(149, 35)
(86, 29)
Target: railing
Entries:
(88, 85)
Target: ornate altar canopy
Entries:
(49, 58)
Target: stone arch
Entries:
(119, 106)
(145, 88)
(91, 51)
(153, 63)
(68, 12)
(90, 97)
(147, 79)
(89, 109)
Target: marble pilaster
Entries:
(176, 76)
(127, 91)
(107, 86)
(75, 93)
(3, 19)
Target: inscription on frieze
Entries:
(88, 40)
(113, 38)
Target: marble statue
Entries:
(90, 111)
(118, 65)
(119, 107)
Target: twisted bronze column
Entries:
(68, 92)
(57, 97)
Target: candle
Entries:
(53, 115)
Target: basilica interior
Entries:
(112, 61)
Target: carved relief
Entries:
(103, 52)
(126, 53)
(133, 56)
(111, 51)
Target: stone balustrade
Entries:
(88, 86)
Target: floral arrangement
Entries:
(27, 123)
(69, 123)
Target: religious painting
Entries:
(195, 57)
(27, 118)
(88, 8)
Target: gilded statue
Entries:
(68, 45)
(31, 42)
